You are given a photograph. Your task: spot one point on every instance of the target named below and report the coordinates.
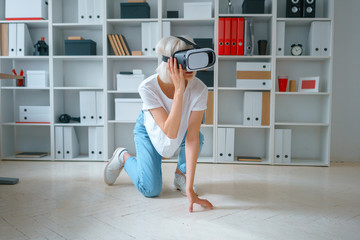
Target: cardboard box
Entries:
(37, 79)
(127, 109)
(198, 10)
(26, 9)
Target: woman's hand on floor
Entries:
(193, 198)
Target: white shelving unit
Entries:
(306, 114)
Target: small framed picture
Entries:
(309, 84)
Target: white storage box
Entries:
(197, 10)
(34, 113)
(254, 84)
(37, 79)
(127, 109)
(129, 82)
(253, 75)
(26, 9)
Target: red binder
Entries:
(221, 35)
(240, 36)
(227, 36)
(233, 33)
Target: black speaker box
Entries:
(294, 8)
(309, 8)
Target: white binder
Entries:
(100, 143)
(88, 107)
(221, 144)
(248, 104)
(253, 84)
(280, 38)
(59, 142)
(90, 11)
(249, 43)
(98, 10)
(286, 146)
(253, 66)
(315, 39)
(145, 38)
(278, 149)
(325, 28)
(92, 142)
(12, 39)
(24, 43)
(82, 11)
(154, 37)
(166, 32)
(71, 143)
(99, 107)
(229, 144)
(256, 108)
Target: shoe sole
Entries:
(112, 158)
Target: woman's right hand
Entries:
(176, 75)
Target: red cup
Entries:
(283, 80)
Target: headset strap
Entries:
(165, 59)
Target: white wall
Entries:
(345, 137)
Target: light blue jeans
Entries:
(145, 170)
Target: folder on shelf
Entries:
(227, 37)
(256, 108)
(154, 37)
(265, 115)
(286, 146)
(249, 38)
(125, 45)
(98, 10)
(221, 143)
(12, 39)
(221, 36)
(278, 149)
(209, 112)
(247, 115)
(100, 143)
(4, 39)
(99, 107)
(319, 39)
(233, 37)
(240, 36)
(24, 43)
(90, 11)
(145, 38)
(71, 143)
(325, 38)
(166, 29)
(82, 11)
(59, 142)
(229, 144)
(88, 107)
(112, 43)
(92, 139)
(280, 38)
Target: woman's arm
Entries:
(170, 124)
(192, 152)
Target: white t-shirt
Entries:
(194, 99)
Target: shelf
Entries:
(77, 125)
(241, 126)
(12, 157)
(78, 88)
(118, 121)
(26, 58)
(301, 124)
(115, 91)
(130, 21)
(207, 125)
(256, 17)
(301, 21)
(303, 93)
(79, 58)
(24, 88)
(240, 57)
(26, 124)
(191, 22)
(302, 58)
(241, 89)
(30, 23)
(76, 26)
(114, 58)
(243, 162)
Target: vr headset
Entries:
(194, 59)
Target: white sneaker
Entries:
(114, 167)
(180, 184)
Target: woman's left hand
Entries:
(193, 198)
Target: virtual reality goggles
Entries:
(194, 59)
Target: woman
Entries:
(173, 105)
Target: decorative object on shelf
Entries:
(282, 80)
(253, 6)
(296, 49)
(26, 9)
(197, 10)
(134, 10)
(119, 45)
(292, 86)
(66, 118)
(294, 8)
(230, 8)
(136, 53)
(262, 47)
(172, 14)
(309, 84)
(80, 47)
(41, 48)
(309, 8)
(20, 82)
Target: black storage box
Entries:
(206, 77)
(135, 10)
(204, 42)
(80, 47)
(253, 6)
(172, 14)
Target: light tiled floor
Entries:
(65, 200)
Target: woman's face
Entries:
(188, 75)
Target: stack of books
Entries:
(119, 45)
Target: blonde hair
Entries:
(167, 47)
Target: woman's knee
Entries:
(151, 190)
